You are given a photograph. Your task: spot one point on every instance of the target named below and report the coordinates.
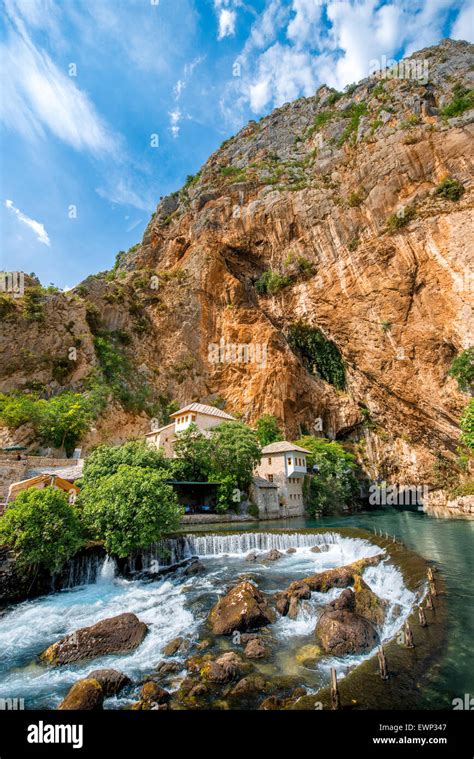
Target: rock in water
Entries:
(243, 608)
(272, 555)
(255, 649)
(85, 694)
(115, 635)
(344, 632)
(367, 603)
(110, 680)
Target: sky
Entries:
(107, 105)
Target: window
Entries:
(269, 461)
(289, 461)
(270, 478)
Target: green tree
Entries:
(16, 410)
(193, 452)
(106, 459)
(63, 419)
(235, 451)
(333, 485)
(462, 369)
(467, 425)
(41, 528)
(130, 509)
(268, 430)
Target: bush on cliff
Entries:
(268, 430)
(129, 509)
(462, 369)
(59, 421)
(318, 353)
(467, 426)
(333, 485)
(41, 528)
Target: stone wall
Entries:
(11, 471)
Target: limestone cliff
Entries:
(336, 195)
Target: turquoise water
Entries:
(450, 544)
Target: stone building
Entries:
(284, 464)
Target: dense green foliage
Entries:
(467, 425)
(41, 528)
(268, 430)
(106, 459)
(463, 100)
(231, 450)
(129, 509)
(333, 485)
(59, 421)
(462, 369)
(318, 353)
(271, 282)
(450, 189)
(235, 451)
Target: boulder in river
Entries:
(86, 694)
(367, 603)
(154, 693)
(114, 635)
(273, 555)
(178, 645)
(344, 632)
(194, 567)
(225, 668)
(255, 649)
(110, 680)
(243, 608)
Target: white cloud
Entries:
(463, 27)
(118, 190)
(38, 97)
(38, 228)
(282, 75)
(302, 28)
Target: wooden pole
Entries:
(429, 601)
(433, 590)
(408, 636)
(382, 663)
(430, 574)
(422, 617)
(335, 699)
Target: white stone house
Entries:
(284, 464)
(204, 417)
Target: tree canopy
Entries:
(106, 459)
(130, 508)
(42, 528)
(268, 430)
(334, 484)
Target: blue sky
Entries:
(90, 87)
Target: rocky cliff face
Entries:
(336, 196)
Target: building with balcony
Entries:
(284, 464)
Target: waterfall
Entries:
(82, 569)
(107, 571)
(174, 550)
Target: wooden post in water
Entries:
(335, 699)
(408, 636)
(422, 617)
(382, 663)
(433, 590)
(430, 574)
(429, 601)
